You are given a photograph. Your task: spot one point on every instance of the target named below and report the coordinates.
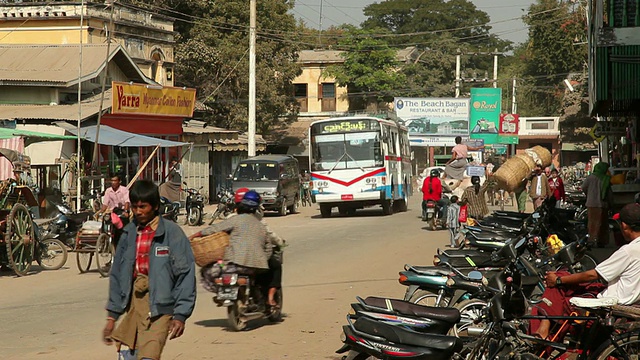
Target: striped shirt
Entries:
(248, 243)
(477, 202)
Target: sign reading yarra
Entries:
(139, 99)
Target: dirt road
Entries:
(59, 314)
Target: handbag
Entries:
(462, 218)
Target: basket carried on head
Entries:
(512, 173)
(541, 156)
(209, 249)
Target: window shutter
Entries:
(320, 91)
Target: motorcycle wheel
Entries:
(432, 223)
(233, 317)
(52, 255)
(194, 216)
(470, 311)
(215, 216)
(276, 315)
(427, 298)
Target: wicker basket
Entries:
(209, 249)
(511, 174)
(540, 155)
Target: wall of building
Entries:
(27, 95)
(313, 76)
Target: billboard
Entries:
(142, 99)
(484, 115)
(433, 121)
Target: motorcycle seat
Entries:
(455, 253)
(449, 315)
(408, 337)
(428, 270)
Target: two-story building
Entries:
(541, 131)
(147, 37)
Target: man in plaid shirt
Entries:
(152, 283)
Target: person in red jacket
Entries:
(557, 185)
(432, 190)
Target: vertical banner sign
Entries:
(485, 114)
(509, 124)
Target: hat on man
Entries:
(630, 215)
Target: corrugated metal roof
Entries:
(59, 64)
(200, 127)
(90, 107)
(239, 144)
(320, 56)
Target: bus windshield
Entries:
(346, 151)
(256, 171)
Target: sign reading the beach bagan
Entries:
(141, 99)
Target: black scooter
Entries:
(66, 223)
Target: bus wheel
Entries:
(403, 204)
(325, 211)
(387, 206)
(342, 210)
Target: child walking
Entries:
(453, 222)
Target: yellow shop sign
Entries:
(144, 99)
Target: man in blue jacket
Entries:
(152, 281)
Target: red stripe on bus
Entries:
(348, 183)
(393, 158)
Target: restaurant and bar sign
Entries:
(142, 99)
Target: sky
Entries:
(335, 12)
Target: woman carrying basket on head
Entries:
(456, 166)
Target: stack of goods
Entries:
(515, 170)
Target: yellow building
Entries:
(147, 38)
(319, 96)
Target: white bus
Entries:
(358, 162)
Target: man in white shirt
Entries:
(621, 271)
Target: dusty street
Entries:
(59, 314)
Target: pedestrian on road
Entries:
(152, 281)
(453, 222)
(556, 185)
(597, 187)
(475, 198)
(539, 189)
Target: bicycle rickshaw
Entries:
(95, 239)
(19, 237)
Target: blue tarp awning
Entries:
(114, 137)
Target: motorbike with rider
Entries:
(434, 205)
(254, 254)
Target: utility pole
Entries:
(320, 27)
(458, 74)
(514, 104)
(78, 149)
(252, 80)
(495, 69)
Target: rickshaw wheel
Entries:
(104, 254)
(83, 260)
(20, 239)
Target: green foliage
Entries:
(212, 56)
(370, 70)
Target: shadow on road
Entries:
(251, 325)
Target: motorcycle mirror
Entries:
(520, 243)
(230, 177)
(184, 183)
(475, 275)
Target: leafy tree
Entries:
(370, 70)
(212, 56)
(550, 54)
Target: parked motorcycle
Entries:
(226, 204)
(66, 223)
(194, 206)
(244, 299)
(169, 209)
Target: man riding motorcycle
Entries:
(432, 191)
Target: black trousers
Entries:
(273, 277)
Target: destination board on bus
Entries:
(344, 126)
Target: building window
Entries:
(156, 66)
(327, 92)
(301, 95)
(540, 125)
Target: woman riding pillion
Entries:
(251, 243)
